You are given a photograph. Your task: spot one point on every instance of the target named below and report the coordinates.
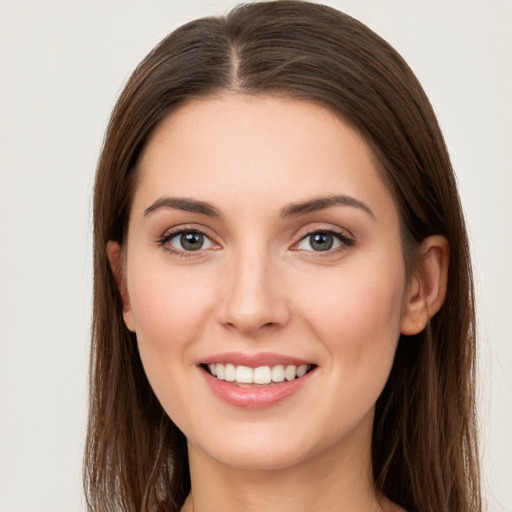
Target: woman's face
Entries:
(263, 243)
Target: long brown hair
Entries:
(424, 447)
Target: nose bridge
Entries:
(252, 297)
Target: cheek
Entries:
(358, 318)
(358, 300)
(168, 304)
(171, 313)
(358, 323)
(171, 309)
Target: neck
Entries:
(338, 479)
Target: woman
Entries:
(283, 310)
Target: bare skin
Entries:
(251, 181)
(320, 484)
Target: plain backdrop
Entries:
(62, 65)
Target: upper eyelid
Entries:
(323, 228)
(300, 234)
(342, 236)
(345, 237)
(187, 228)
(170, 233)
(164, 242)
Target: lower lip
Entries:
(255, 397)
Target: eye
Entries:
(321, 241)
(187, 241)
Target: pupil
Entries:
(192, 241)
(321, 242)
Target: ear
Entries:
(115, 257)
(428, 286)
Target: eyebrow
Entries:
(322, 203)
(184, 204)
(291, 210)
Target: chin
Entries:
(256, 457)
(272, 447)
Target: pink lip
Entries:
(254, 360)
(254, 397)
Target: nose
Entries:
(253, 298)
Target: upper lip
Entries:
(254, 360)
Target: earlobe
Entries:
(428, 286)
(115, 258)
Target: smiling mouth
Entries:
(260, 376)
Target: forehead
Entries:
(257, 147)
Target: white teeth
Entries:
(244, 374)
(289, 373)
(278, 373)
(262, 375)
(259, 375)
(301, 370)
(221, 370)
(229, 373)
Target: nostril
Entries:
(265, 326)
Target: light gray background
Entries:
(62, 64)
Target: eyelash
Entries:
(167, 237)
(345, 241)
